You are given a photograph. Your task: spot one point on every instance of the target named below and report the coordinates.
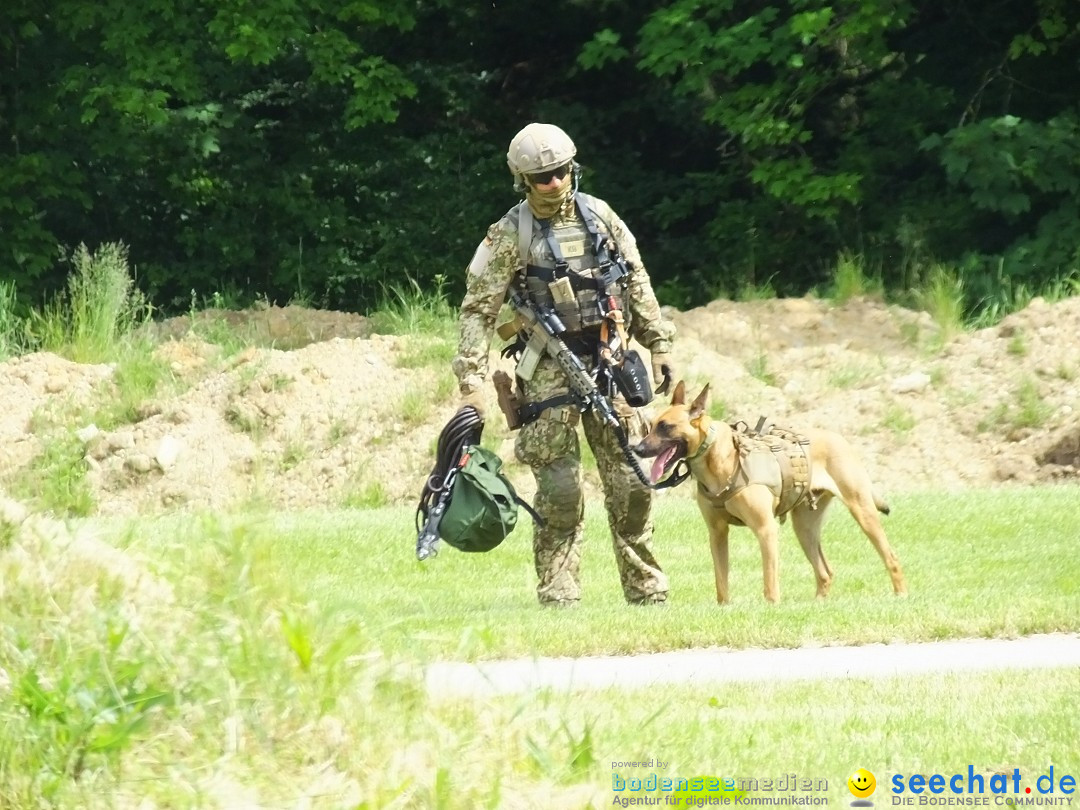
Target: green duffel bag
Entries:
(483, 506)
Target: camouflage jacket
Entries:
(496, 264)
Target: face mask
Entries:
(546, 204)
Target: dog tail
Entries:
(881, 504)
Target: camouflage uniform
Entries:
(550, 445)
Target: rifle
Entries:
(543, 330)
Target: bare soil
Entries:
(334, 413)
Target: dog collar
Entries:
(710, 437)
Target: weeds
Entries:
(100, 308)
(718, 409)
(412, 311)
(1017, 345)
(749, 291)
(850, 281)
(898, 419)
(12, 337)
(943, 297)
(758, 368)
(365, 492)
(849, 376)
(427, 352)
(415, 407)
(1025, 408)
(56, 478)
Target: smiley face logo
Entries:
(861, 783)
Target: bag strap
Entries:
(532, 512)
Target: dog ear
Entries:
(698, 408)
(678, 397)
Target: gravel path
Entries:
(455, 680)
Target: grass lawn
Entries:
(979, 563)
(822, 731)
(274, 661)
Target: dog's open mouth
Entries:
(666, 460)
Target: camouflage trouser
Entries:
(550, 447)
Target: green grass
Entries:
(1024, 408)
(942, 295)
(273, 661)
(99, 309)
(849, 280)
(11, 325)
(55, 480)
(410, 310)
(994, 563)
(898, 419)
(850, 375)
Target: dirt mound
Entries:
(280, 327)
(335, 414)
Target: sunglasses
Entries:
(543, 178)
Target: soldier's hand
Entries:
(663, 371)
(475, 397)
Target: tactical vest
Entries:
(562, 269)
(775, 457)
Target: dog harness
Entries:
(772, 456)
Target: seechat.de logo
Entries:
(862, 784)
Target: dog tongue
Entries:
(660, 463)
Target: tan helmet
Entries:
(539, 147)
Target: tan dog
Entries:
(683, 432)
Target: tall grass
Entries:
(99, 309)
(11, 326)
(411, 310)
(849, 279)
(942, 296)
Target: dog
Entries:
(726, 498)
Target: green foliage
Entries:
(942, 295)
(298, 151)
(1023, 408)
(138, 376)
(56, 478)
(849, 280)
(899, 419)
(365, 491)
(413, 311)
(100, 308)
(11, 324)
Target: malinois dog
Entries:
(684, 432)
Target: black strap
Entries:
(531, 411)
(532, 512)
(612, 267)
(562, 267)
(678, 475)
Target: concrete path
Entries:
(453, 680)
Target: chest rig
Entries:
(572, 268)
(569, 298)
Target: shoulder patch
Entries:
(480, 257)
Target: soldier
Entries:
(541, 160)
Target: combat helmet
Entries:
(538, 148)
